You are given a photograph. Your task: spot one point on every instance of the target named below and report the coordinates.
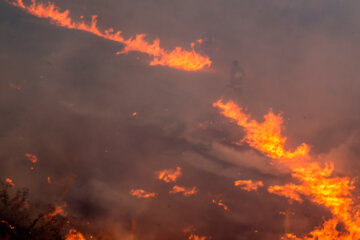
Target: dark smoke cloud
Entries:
(74, 110)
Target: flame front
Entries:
(9, 181)
(185, 191)
(315, 182)
(248, 185)
(266, 136)
(221, 204)
(169, 175)
(178, 58)
(140, 193)
(74, 235)
(32, 157)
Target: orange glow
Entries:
(134, 114)
(140, 193)
(266, 136)
(58, 211)
(179, 58)
(31, 157)
(49, 180)
(314, 182)
(196, 237)
(169, 175)
(185, 191)
(221, 204)
(74, 235)
(7, 224)
(9, 181)
(248, 185)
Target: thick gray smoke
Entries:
(66, 97)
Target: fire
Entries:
(169, 175)
(9, 181)
(196, 237)
(7, 224)
(266, 136)
(249, 185)
(58, 211)
(140, 193)
(74, 235)
(221, 204)
(185, 191)
(31, 157)
(188, 60)
(314, 182)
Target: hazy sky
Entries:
(75, 98)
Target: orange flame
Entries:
(140, 193)
(185, 191)
(169, 175)
(32, 157)
(316, 183)
(7, 224)
(266, 136)
(74, 235)
(193, 236)
(9, 181)
(58, 211)
(248, 185)
(221, 204)
(178, 58)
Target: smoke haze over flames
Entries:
(138, 137)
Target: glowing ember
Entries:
(134, 114)
(178, 58)
(315, 182)
(169, 175)
(31, 157)
(7, 224)
(185, 191)
(221, 204)
(9, 181)
(140, 193)
(49, 180)
(74, 235)
(248, 185)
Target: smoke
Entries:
(73, 101)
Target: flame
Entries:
(193, 236)
(221, 204)
(140, 193)
(10, 182)
(31, 157)
(266, 136)
(74, 235)
(7, 224)
(58, 211)
(248, 185)
(185, 191)
(188, 60)
(314, 182)
(169, 175)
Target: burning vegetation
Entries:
(188, 60)
(211, 161)
(315, 182)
